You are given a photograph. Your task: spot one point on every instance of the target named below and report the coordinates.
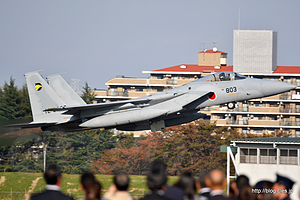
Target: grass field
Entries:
(13, 185)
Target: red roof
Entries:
(211, 51)
(194, 68)
(287, 70)
(197, 68)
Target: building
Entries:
(254, 51)
(257, 116)
(261, 158)
(212, 57)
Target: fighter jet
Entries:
(57, 107)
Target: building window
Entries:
(160, 89)
(297, 121)
(221, 117)
(288, 156)
(260, 118)
(272, 118)
(223, 55)
(159, 76)
(139, 89)
(297, 108)
(297, 133)
(248, 155)
(298, 82)
(287, 80)
(268, 156)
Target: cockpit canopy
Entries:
(223, 76)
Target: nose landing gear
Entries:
(231, 105)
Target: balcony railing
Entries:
(288, 160)
(237, 122)
(262, 122)
(289, 110)
(289, 123)
(117, 93)
(285, 97)
(172, 82)
(238, 110)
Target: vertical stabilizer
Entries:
(41, 96)
(64, 90)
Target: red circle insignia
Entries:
(212, 96)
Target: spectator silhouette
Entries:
(233, 191)
(188, 183)
(204, 189)
(90, 186)
(53, 178)
(265, 184)
(118, 191)
(246, 193)
(283, 187)
(242, 181)
(217, 182)
(156, 181)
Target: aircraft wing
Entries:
(120, 104)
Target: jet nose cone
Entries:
(270, 88)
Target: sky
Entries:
(97, 40)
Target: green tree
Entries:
(88, 95)
(73, 151)
(126, 140)
(24, 106)
(14, 103)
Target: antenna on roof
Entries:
(204, 43)
(215, 49)
(75, 85)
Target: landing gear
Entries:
(231, 105)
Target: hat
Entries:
(288, 183)
(263, 184)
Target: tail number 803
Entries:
(231, 89)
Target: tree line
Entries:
(73, 151)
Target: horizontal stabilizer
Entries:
(29, 125)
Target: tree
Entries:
(14, 103)
(24, 106)
(88, 95)
(73, 151)
(126, 140)
(132, 160)
(194, 147)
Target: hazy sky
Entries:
(95, 41)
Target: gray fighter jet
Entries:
(57, 107)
